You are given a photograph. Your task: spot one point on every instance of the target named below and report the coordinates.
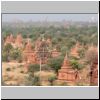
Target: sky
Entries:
(49, 17)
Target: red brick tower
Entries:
(74, 50)
(55, 53)
(66, 73)
(9, 39)
(19, 40)
(29, 54)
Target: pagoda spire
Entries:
(74, 50)
(66, 63)
(66, 56)
(66, 73)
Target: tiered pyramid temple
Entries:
(9, 39)
(19, 40)
(28, 53)
(74, 50)
(67, 73)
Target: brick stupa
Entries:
(28, 53)
(66, 73)
(9, 39)
(18, 40)
(55, 53)
(74, 51)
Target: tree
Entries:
(32, 80)
(4, 56)
(36, 80)
(16, 54)
(75, 64)
(33, 67)
(81, 52)
(51, 79)
(91, 55)
(8, 49)
(55, 63)
(77, 67)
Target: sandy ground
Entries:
(14, 76)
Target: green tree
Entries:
(16, 54)
(51, 79)
(81, 52)
(55, 63)
(32, 80)
(91, 55)
(34, 67)
(36, 80)
(4, 56)
(8, 49)
(75, 64)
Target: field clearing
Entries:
(14, 76)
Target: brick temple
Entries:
(55, 53)
(94, 70)
(9, 39)
(28, 53)
(19, 40)
(41, 52)
(74, 50)
(15, 42)
(67, 73)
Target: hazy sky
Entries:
(49, 17)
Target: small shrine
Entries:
(67, 73)
(18, 40)
(28, 53)
(55, 53)
(74, 50)
(9, 39)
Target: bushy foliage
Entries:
(10, 53)
(7, 49)
(55, 63)
(75, 64)
(51, 79)
(8, 69)
(91, 55)
(34, 67)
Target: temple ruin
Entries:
(94, 70)
(67, 73)
(74, 50)
(19, 40)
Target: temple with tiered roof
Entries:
(41, 51)
(74, 50)
(66, 73)
(9, 39)
(19, 40)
